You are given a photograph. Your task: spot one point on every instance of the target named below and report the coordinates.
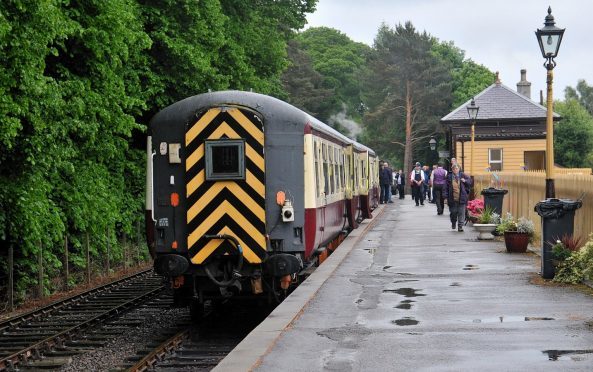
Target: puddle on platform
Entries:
(563, 354)
(407, 292)
(471, 267)
(405, 305)
(455, 251)
(406, 281)
(386, 267)
(455, 284)
(407, 321)
(404, 274)
(509, 319)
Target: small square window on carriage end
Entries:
(225, 160)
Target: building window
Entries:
(225, 160)
(495, 159)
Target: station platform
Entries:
(405, 292)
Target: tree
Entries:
(341, 62)
(409, 89)
(583, 93)
(304, 85)
(70, 77)
(573, 135)
(469, 77)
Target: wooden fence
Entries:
(526, 189)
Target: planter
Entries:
(516, 242)
(485, 230)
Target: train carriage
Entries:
(244, 192)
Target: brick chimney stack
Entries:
(524, 86)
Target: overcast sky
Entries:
(497, 34)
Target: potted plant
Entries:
(474, 209)
(486, 223)
(517, 233)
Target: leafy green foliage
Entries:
(304, 85)
(583, 93)
(469, 78)
(578, 266)
(573, 135)
(78, 81)
(340, 61)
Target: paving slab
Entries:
(414, 295)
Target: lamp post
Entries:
(432, 143)
(549, 39)
(472, 111)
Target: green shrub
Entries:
(578, 266)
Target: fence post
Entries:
(138, 243)
(108, 247)
(66, 268)
(10, 277)
(88, 260)
(125, 250)
(40, 270)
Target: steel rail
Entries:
(36, 313)
(35, 350)
(157, 354)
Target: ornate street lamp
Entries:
(472, 111)
(432, 143)
(549, 39)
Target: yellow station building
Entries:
(510, 130)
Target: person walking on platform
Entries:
(453, 162)
(390, 183)
(430, 187)
(417, 182)
(385, 179)
(457, 195)
(425, 186)
(401, 183)
(438, 180)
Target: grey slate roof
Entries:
(499, 102)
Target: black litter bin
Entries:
(493, 197)
(557, 220)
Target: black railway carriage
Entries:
(245, 191)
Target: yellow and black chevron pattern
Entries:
(234, 207)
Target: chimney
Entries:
(524, 87)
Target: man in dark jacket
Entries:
(385, 177)
(417, 183)
(457, 194)
(400, 182)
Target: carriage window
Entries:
(225, 160)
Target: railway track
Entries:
(200, 347)
(50, 336)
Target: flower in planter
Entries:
(488, 216)
(522, 225)
(475, 206)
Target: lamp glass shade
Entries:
(549, 43)
(432, 143)
(472, 110)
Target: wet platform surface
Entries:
(415, 295)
